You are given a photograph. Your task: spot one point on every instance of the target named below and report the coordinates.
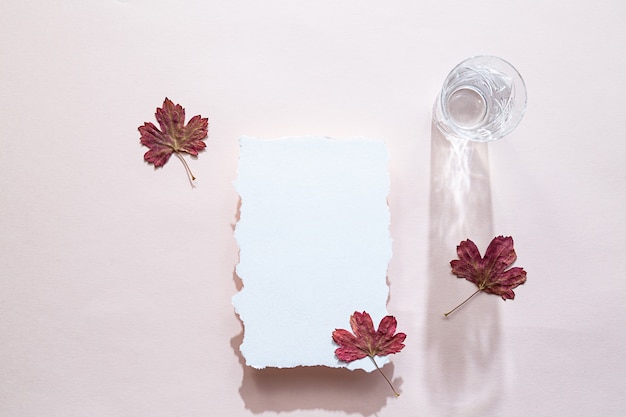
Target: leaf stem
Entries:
(185, 164)
(386, 379)
(466, 300)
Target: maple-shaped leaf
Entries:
(489, 272)
(366, 341)
(173, 137)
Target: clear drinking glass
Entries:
(482, 99)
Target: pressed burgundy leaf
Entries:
(489, 272)
(173, 137)
(365, 341)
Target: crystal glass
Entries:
(482, 99)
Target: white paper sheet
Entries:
(314, 246)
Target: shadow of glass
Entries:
(464, 371)
(316, 387)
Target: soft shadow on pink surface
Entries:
(316, 387)
(464, 371)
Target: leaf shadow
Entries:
(464, 372)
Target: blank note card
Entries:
(314, 245)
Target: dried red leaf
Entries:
(174, 137)
(489, 273)
(368, 342)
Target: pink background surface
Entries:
(116, 280)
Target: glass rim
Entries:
(519, 104)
